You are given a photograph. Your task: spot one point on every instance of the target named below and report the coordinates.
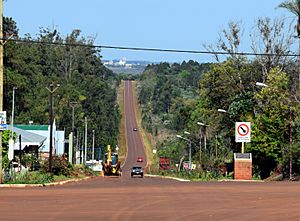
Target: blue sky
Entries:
(171, 24)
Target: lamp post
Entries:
(12, 113)
(190, 149)
(1, 81)
(93, 151)
(205, 126)
(73, 104)
(52, 88)
(260, 84)
(85, 140)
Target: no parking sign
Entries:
(242, 132)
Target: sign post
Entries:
(243, 161)
(243, 133)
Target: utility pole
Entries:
(1, 81)
(12, 113)
(200, 147)
(216, 147)
(51, 89)
(73, 105)
(190, 155)
(85, 140)
(291, 142)
(93, 152)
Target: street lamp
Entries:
(73, 104)
(190, 149)
(222, 111)
(93, 146)
(52, 88)
(12, 113)
(260, 84)
(85, 140)
(205, 126)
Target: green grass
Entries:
(147, 139)
(38, 177)
(122, 138)
(31, 178)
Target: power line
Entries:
(148, 49)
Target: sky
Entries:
(166, 24)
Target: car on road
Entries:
(139, 159)
(134, 129)
(137, 171)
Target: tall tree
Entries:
(294, 7)
(271, 124)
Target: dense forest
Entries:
(205, 101)
(31, 66)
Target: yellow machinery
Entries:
(111, 164)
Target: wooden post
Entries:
(243, 147)
(1, 81)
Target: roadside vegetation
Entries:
(122, 129)
(177, 97)
(31, 67)
(201, 102)
(62, 173)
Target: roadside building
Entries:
(39, 135)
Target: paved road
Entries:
(134, 142)
(152, 199)
(135, 199)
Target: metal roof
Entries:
(31, 127)
(28, 138)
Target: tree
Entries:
(273, 41)
(80, 73)
(294, 7)
(271, 124)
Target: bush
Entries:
(26, 177)
(30, 161)
(60, 166)
(79, 170)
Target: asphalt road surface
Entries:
(135, 147)
(148, 198)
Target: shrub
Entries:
(31, 178)
(60, 166)
(81, 170)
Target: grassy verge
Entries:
(38, 177)
(195, 175)
(148, 140)
(122, 137)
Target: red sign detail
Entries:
(240, 127)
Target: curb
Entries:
(185, 180)
(252, 181)
(43, 184)
(168, 177)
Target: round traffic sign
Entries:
(243, 129)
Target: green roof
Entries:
(31, 127)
